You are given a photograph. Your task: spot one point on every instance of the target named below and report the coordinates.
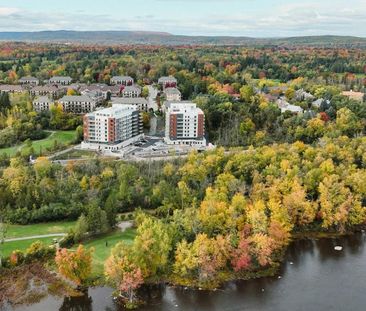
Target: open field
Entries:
(40, 146)
(18, 231)
(8, 247)
(102, 251)
(75, 154)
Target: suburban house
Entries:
(317, 103)
(58, 80)
(138, 102)
(185, 124)
(303, 95)
(359, 96)
(285, 106)
(122, 80)
(10, 88)
(51, 90)
(168, 82)
(112, 128)
(77, 104)
(42, 103)
(172, 94)
(131, 91)
(29, 81)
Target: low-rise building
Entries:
(122, 80)
(10, 88)
(78, 104)
(42, 103)
(60, 80)
(49, 90)
(172, 94)
(359, 96)
(285, 106)
(112, 128)
(131, 91)
(29, 81)
(139, 102)
(185, 124)
(169, 81)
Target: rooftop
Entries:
(75, 98)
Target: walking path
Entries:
(35, 237)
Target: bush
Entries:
(39, 252)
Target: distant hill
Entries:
(162, 38)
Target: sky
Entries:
(254, 18)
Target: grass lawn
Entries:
(101, 251)
(8, 247)
(17, 231)
(76, 154)
(62, 137)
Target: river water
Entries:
(313, 276)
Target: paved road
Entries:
(153, 92)
(35, 237)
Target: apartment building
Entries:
(112, 128)
(172, 94)
(60, 80)
(10, 88)
(29, 81)
(78, 104)
(139, 102)
(42, 103)
(169, 81)
(131, 91)
(185, 124)
(122, 80)
(49, 90)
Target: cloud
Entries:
(5, 11)
(310, 18)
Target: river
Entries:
(313, 276)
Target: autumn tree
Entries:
(75, 265)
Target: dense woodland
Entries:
(217, 215)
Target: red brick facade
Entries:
(201, 126)
(86, 127)
(111, 130)
(173, 126)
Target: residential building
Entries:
(139, 102)
(122, 80)
(60, 80)
(303, 95)
(131, 91)
(29, 81)
(112, 128)
(359, 96)
(172, 94)
(169, 81)
(107, 91)
(185, 124)
(321, 101)
(10, 88)
(42, 103)
(50, 90)
(78, 104)
(285, 106)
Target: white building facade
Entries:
(185, 125)
(113, 128)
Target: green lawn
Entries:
(62, 137)
(76, 154)
(8, 247)
(17, 231)
(101, 251)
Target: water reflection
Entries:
(313, 276)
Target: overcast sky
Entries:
(256, 18)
